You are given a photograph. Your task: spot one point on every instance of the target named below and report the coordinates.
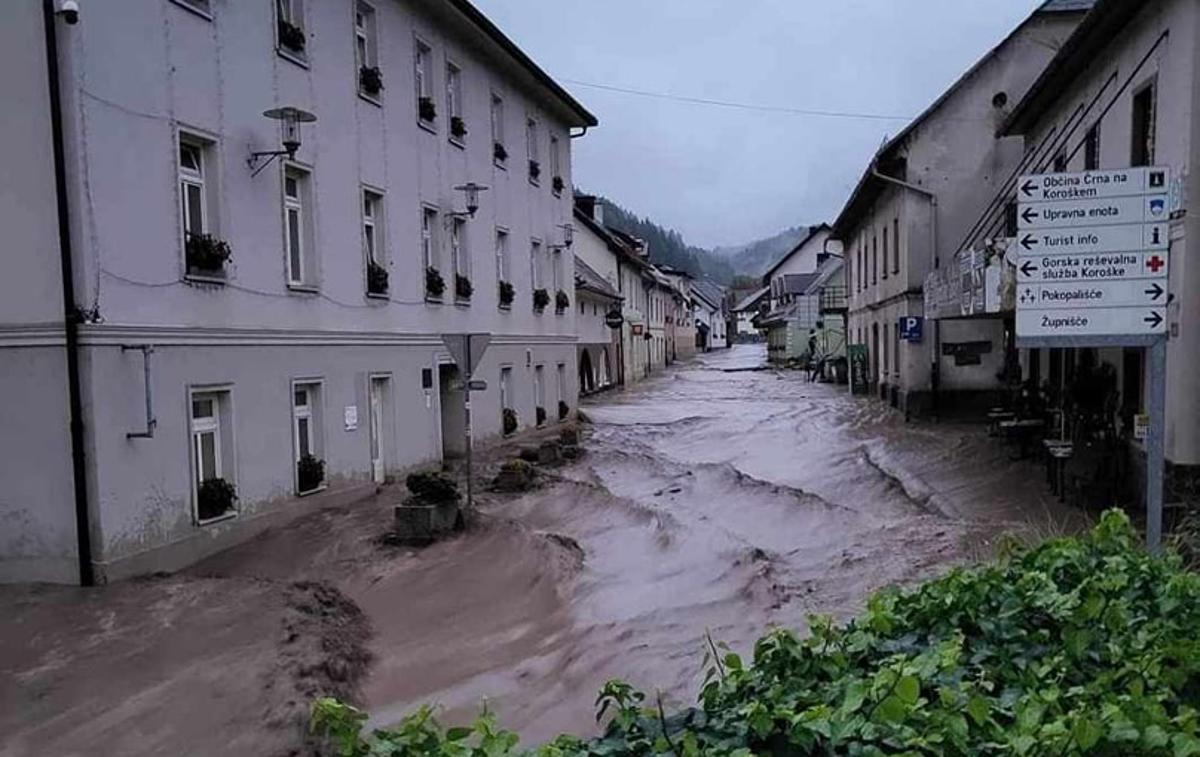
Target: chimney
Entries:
(586, 205)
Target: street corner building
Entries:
(918, 202)
(235, 233)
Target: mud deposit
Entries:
(715, 498)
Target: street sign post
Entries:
(1092, 271)
(467, 350)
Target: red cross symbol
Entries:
(1154, 263)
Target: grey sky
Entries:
(725, 176)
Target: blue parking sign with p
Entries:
(911, 327)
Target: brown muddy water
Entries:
(710, 499)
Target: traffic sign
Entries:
(1126, 238)
(1093, 295)
(1105, 266)
(1092, 185)
(1117, 210)
(467, 350)
(1091, 321)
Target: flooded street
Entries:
(714, 498)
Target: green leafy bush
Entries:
(561, 301)
(540, 415)
(1079, 646)
(310, 473)
(206, 253)
(507, 293)
(563, 410)
(508, 416)
(433, 487)
(214, 498)
(435, 285)
(541, 298)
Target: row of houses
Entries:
(927, 237)
(635, 317)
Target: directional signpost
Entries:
(1092, 272)
(467, 350)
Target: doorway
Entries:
(453, 411)
(378, 404)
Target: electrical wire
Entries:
(256, 292)
(740, 105)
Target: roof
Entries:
(493, 33)
(887, 153)
(709, 292)
(750, 301)
(587, 279)
(827, 271)
(614, 240)
(1106, 20)
(812, 232)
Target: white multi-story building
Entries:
(265, 327)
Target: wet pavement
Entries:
(712, 499)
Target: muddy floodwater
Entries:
(715, 498)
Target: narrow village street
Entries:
(720, 497)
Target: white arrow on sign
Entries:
(1092, 185)
(1129, 238)
(1117, 210)
(1103, 266)
(1091, 322)
(1094, 295)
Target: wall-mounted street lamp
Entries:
(471, 190)
(568, 238)
(290, 119)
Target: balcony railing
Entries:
(833, 299)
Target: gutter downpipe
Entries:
(83, 525)
(934, 378)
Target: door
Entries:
(379, 386)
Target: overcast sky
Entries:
(724, 176)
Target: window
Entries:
(297, 227)
(531, 148)
(896, 350)
(502, 272)
(896, 246)
(499, 153)
(306, 436)
(885, 252)
(562, 390)
(460, 256)
(289, 25)
(506, 387)
(454, 103)
(1060, 161)
(874, 259)
(1091, 148)
(429, 222)
(535, 264)
(212, 447)
(556, 268)
(556, 176)
(887, 357)
(426, 111)
(191, 187)
(1142, 153)
(370, 80)
(374, 242)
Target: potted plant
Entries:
(507, 293)
(370, 78)
(310, 473)
(541, 416)
(377, 278)
(462, 287)
(214, 498)
(498, 152)
(458, 127)
(561, 302)
(535, 170)
(563, 410)
(435, 285)
(291, 36)
(205, 254)
(426, 109)
(541, 298)
(509, 421)
(558, 184)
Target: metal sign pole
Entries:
(467, 405)
(1154, 445)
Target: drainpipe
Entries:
(934, 378)
(83, 524)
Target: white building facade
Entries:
(272, 324)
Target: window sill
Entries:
(429, 126)
(202, 13)
(311, 492)
(373, 99)
(535, 182)
(200, 278)
(538, 312)
(501, 164)
(302, 288)
(431, 300)
(287, 54)
(462, 303)
(457, 142)
(219, 519)
(381, 296)
(506, 308)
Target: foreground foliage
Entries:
(1080, 646)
